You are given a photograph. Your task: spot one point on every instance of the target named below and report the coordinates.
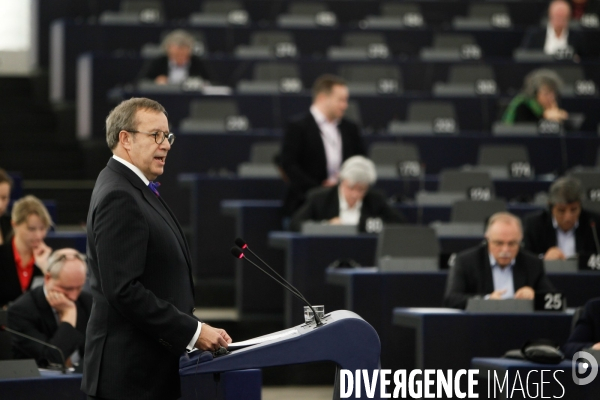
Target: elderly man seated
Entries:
(56, 313)
(351, 202)
(497, 269)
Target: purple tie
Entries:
(154, 187)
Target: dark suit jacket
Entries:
(535, 39)
(539, 233)
(142, 318)
(587, 329)
(160, 66)
(5, 227)
(303, 156)
(324, 204)
(10, 287)
(471, 276)
(32, 315)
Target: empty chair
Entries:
(590, 181)
(272, 78)
(484, 16)
(393, 159)
(353, 112)
(220, 13)
(306, 15)
(467, 80)
(407, 248)
(593, 206)
(570, 75)
(360, 46)
(134, 12)
(427, 117)
(395, 16)
(372, 79)
(475, 211)
(504, 161)
(214, 116)
(268, 44)
(451, 47)
(460, 181)
(261, 161)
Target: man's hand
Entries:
(596, 346)
(525, 293)
(212, 338)
(161, 80)
(497, 294)
(555, 114)
(554, 253)
(65, 307)
(40, 255)
(335, 221)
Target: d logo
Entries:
(581, 368)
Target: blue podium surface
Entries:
(50, 385)
(448, 339)
(557, 378)
(344, 339)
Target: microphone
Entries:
(62, 356)
(238, 253)
(593, 226)
(244, 246)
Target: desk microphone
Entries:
(593, 226)
(241, 243)
(62, 356)
(238, 253)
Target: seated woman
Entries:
(6, 183)
(177, 64)
(586, 334)
(24, 255)
(351, 202)
(538, 100)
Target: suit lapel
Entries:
(315, 132)
(154, 201)
(488, 279)
(519, 273)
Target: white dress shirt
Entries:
(332, 141)
(565, 241)
(139, 173)
(555, 43)
(178, 73)
(503, 278)
(349, 215)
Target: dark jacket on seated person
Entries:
(587, 329)
(160, 66)
(521, 109)
(32, 315)
(535, 39)
(539, 234)
(471, 276)
(10, 286)
(324, 204)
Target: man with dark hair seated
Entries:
(565, 229)
(56, 313)
(497, 269)
(586, 334)
(351, 202)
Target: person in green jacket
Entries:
(538, 99)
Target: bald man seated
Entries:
(497, 269)
(56, 313)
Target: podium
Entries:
(344, 338)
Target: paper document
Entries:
(258, 340)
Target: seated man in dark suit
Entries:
(556, 37)
(497, 269)
(352, 202)
(56, 313)
(586, 334)
(177, 64)
(315, 145)
(564, 230)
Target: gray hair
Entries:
(123, 117)
(358, 169)
(506, 217)
(541, 77)
(58, 258)
(179, 37)
(565, 190)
